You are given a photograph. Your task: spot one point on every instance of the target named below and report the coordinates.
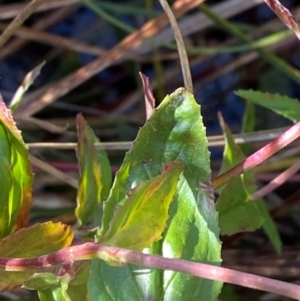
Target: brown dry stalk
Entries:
(42, 24)
(184, 61)
(284, 14)
(8, 11)
(54, 40)
(19, 20)
(45, 96)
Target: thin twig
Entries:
(213, 141)
(41, 25)
(45, 96)
(275, 183)
(258, 157)
(53, 171)
(55, 40)
(19, 20)
(12, 10)
(284, 14)
(184, 61)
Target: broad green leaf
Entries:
(237, 212)
(174, 132)
(95, 180)
(34, 241)
(41, 281)
(75, 290)
(57, 293)
(281, 104)
(142, 218)
(15, 176)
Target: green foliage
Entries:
(237, 212)
(161, 202)
(281, 104)
(174, 132)
(142, 218)
(15, 176)
(95, 180)
(75, 290)
(32, 242)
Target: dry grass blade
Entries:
(54, 40)
(54, 172)
(45, 96)
(45, 125)
(19, 20)
(284, 14)
(184, 61)
(42, 24)
(213, 141)
(9, 11)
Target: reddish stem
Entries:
(276, 182)
(94, 250)
(258, 157)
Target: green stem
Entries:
(274, 60)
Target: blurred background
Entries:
(93, 55)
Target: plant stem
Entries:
(19, 20)
(184, 61)
(271, 58)
(261, 155)
(93, 250)
(284, 14)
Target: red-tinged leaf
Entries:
(95, 172)
(148, 95)
(33, 241)
(15, 176)
(142, 218)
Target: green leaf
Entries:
(95, 180)
(269, 227)
(248, 123)
(34, 241)
(40, 281)
(237, 212)
(281, 104)
(15, 176)
(57, 293)
(27, 82)
(142, 218)
(174, 132)
(75, 290)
